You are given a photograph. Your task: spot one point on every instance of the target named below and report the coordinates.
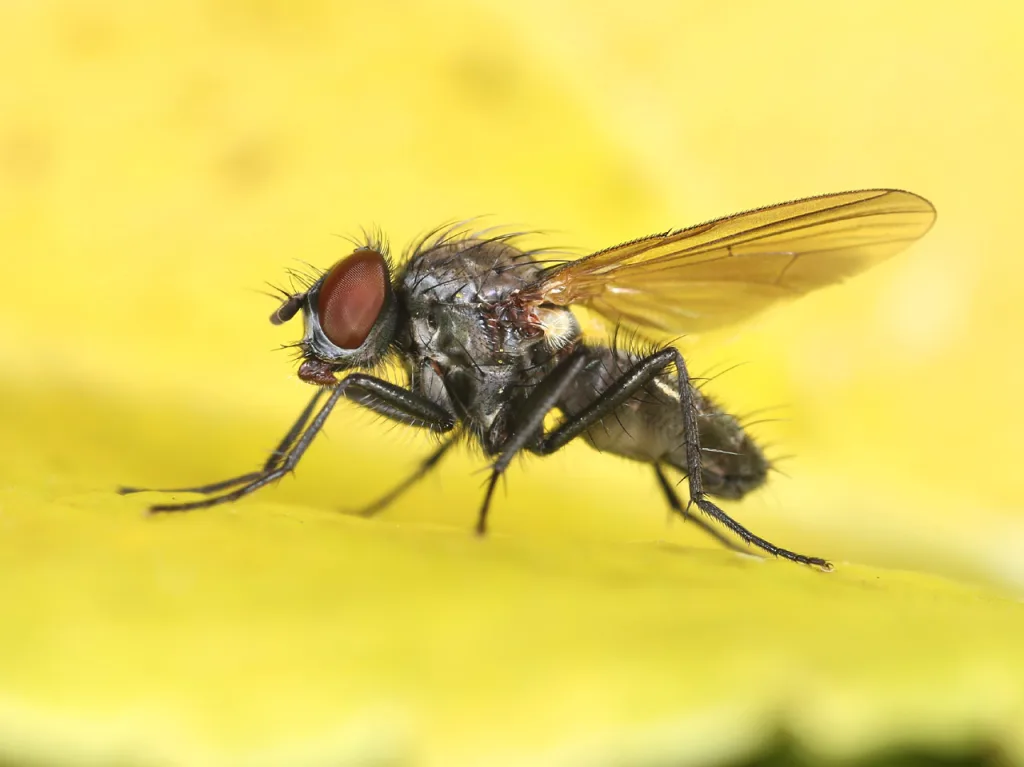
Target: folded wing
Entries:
(724, 271)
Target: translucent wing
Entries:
(724, 271)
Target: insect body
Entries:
(490, 346)
(649, 427)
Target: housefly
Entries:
(489, 345)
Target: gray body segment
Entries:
(472, 350)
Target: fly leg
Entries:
(627, 385)
(375, 394)
(421, 471)
(529, 425)
(677, 506)
(273, 461)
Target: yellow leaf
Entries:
(160, 161)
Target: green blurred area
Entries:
(160, 162)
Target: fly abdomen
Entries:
(649, 426)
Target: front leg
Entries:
(376, 394)
(628, 385)
(273, 461)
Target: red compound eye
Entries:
(351, 297)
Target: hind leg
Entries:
(628, 385)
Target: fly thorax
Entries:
(480, 396)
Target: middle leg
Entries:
(428, 463)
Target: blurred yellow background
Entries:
(159, 162)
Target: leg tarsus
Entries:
(376, 394)
(264, 478)
(481, 520)
(748, 537)
(684, 511)
(279, 453)
(378, 505)
(213, 487)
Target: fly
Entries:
(490, 346)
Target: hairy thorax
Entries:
(471, 346)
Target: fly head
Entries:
(350, 315)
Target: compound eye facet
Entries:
(351, 297)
